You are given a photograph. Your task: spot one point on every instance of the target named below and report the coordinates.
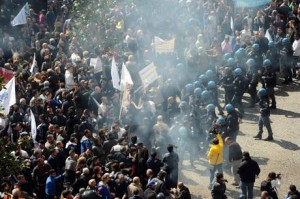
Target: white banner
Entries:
(148, 74)
(97, 64)
(162, 46)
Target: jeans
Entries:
(234, 168)
(265, 121)
(247, 190)
(213, 169)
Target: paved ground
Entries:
(281, 155)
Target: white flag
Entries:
(148, 74)
(268, 36)
(8, 96)
(232, 25)
(125, 77)
(162, 46)
(115, 75)
(33, 65)
(21, 18)
(33, 126)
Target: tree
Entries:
(9, 164)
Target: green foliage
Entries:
(9, 163)
(96, 22)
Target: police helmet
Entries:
(267, 63)
(189, 88)
(230, 61)
(262, 92)
(209, 73)
(211, 84)
(203, 78)
(285, 41)
(197, 92)
(210, 107)
(255, 47)
(183, 104)
(229, 108)
(221, 121)
(182, 131)
(205, 94)
(250, 62)
(227, 56)
(237, 71)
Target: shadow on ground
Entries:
(260, 160)
(286, 113)
(287, 145)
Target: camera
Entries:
(274, 176)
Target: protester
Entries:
(69, 101)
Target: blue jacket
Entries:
(50, 188)
(86, 143)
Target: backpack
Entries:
(267, 186)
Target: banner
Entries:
(32, 126)
(148, 74)
(125, 77)
(268, 36)
(250, 4)
(8, 96)
(21, 18)
(162, 46)
(115, 75)
(33, 65)
(97, 64)
(7, 74)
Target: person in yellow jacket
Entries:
(215, 156)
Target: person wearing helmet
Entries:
(256, 55)
(269, 81)
(213, 90)
(239, 88)
(273, 56)
(209, 121)
(231, 63)
(264, 118)
(251, 81)
(203, 80)
(233, 119)
(227, 83)
(206, 97)
(285, 60)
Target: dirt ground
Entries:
(281, 155)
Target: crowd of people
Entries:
(88, 145)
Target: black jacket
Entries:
(248, 170)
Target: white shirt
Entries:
(296, 48)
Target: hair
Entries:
(170, 148)
(293, 188)
(219, 176)
(65, 193)
(215, 141)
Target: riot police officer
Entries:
(264, 118)
(269, 81)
